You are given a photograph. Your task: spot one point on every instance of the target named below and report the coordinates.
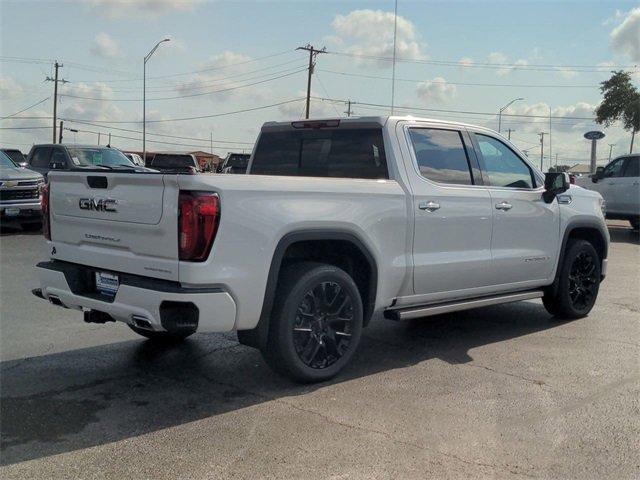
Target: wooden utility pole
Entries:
(312, 55)
(542, 134)
(509, 130)
(60, 134)
(55, 96)
(348, 111)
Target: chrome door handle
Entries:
(504, 206)
(429, 206)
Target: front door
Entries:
(608, 185)
(452, 213)
(526, 230)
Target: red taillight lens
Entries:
(46, 221)
(198, 217)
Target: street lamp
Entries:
(144, 98)
(503, 109)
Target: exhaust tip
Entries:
(141, 322)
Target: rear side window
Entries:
(40, 157)
(347, 153)
(503, 167)
(633, 167)
(172, 161)
(441, 155)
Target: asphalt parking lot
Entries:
(499, 392)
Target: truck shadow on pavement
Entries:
(77, 399)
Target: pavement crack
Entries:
(521, 377)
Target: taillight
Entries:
(46, 220)
(198, 217)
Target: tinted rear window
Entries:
(172, 161)
(238, 160)
(348, 153)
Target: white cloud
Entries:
(465, 62)
(563, 117)
(114, 9)
(370, 33)
(105, 46)
(436, 91)
(227, 58)
(625, 38)
(80, 108)
(499, 58)
(9, 88)
(566, 72)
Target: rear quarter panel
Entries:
(257, 211)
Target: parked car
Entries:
(135, 158)
(235, 163)
(619, 185)
(47, 157)
(338, 222)
(20, 199)
(16, 156)
(175, 163)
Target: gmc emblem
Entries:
(98, 204)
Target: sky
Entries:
(234, 66)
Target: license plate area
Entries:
(107, 283)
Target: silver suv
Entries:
(20, 194)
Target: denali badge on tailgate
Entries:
(98, 204)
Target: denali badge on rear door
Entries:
(98, 204)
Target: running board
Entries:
(440, 308)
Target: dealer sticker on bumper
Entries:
(107, 283)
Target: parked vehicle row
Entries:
(20, 194)
(619, 185)
(338, 222)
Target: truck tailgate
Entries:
(117, 221)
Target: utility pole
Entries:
(542, 134)
(312, 55)
(509, 130)
(60, 133)
(348, 111)
(98, 138)
(211, 142)
(55, 95)
(109, 144)
(556, 159)
(611, 145)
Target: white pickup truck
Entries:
(338, 222)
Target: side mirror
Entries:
(53, 165)
(555, 183)
(598, 175)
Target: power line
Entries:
(470, 84)
(183, 96)
(252, 109)
(512, 66)
(25, 109)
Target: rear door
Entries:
(117, 221)
(526, 230)
(628, 194)
(452, 213)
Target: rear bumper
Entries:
(66, 284)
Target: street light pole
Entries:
(144, 97)
(503, 109)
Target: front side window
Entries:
(40, 158)
(58, 156)
(346, 153)
(503, 167)
(632, 168)
(614, 169)
(441, 155)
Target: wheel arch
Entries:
(314, 238)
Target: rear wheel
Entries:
(316, 323)
(163, 336)
(577, 285)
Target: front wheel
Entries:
(577, 285)
(316, 323)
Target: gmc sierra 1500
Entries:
(338, 222)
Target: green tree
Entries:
(620, 102)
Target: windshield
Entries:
(5, 161)
(89, 156)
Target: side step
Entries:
(456, 306)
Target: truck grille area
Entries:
(19, 194)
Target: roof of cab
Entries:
(363, 121)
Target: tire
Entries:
(316, 323)
(167, 337)
(576, 288)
